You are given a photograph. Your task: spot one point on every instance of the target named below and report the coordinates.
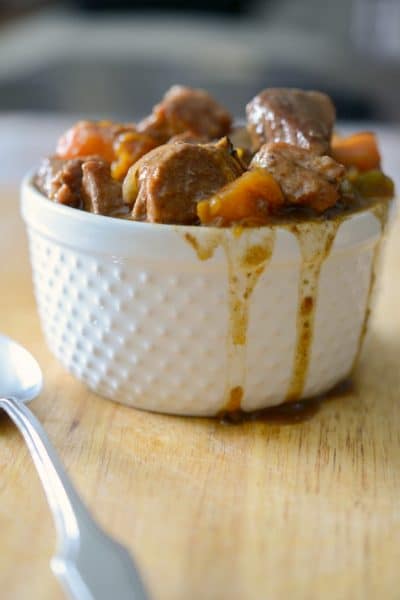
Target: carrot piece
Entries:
(88, 138)
(359, 150)
(129, 146)
(252, 197)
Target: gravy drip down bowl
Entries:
(202, 320)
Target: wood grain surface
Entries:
(253, 511)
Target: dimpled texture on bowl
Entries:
(152, 332)
(138, 335)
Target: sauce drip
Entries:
(290, 413)
(235, 399)
(315, 241)
(283, 414)
(246, 262)
(206, 247)
(381, 211)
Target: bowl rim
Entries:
(80, 229)
(82, 215)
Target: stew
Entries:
(186, 163)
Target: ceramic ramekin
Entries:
(132, 311)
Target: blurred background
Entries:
(115, 58)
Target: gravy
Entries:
(245, 264)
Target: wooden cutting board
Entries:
(253, 511)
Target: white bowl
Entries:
(131, 310)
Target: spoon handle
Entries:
(89, 564)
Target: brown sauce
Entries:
(290, 413)
(235, 399)
(246, 262)
(381, 211)
(315, 242)
(205, 248)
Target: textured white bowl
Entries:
(130, 310)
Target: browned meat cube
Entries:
(186, 109)
(189, 137)
(293, 116)
(305, 178)
(60, 180)
(81, 183)
(101, 193)
(165, 185)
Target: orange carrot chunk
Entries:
(359, 150)
(88, 138)
(250, 198)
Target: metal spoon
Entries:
(89, 564)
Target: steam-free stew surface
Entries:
(186, 163)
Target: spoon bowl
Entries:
(20, 374)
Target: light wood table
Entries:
(211, 511)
